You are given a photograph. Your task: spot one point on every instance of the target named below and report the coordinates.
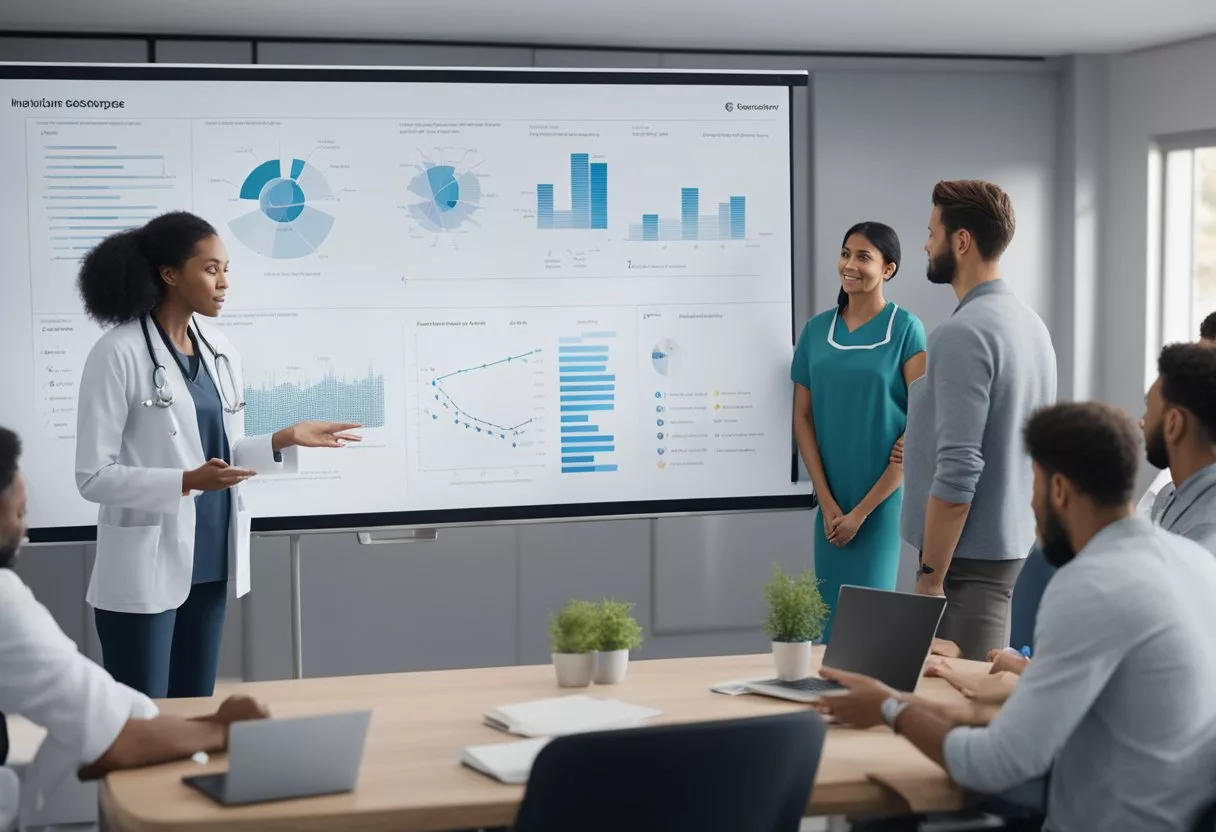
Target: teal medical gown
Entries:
(860, 407)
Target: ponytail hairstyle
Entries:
(120, 277)
(883, 238)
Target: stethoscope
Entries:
(160, 379)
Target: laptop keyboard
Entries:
(811, 684)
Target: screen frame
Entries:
(440, 518)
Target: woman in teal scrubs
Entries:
(851, 372)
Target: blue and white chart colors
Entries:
(540, 294)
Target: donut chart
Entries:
(285, 224)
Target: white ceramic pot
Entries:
(573, 670)
(610, 667)
(793, 660)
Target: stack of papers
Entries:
(566, 715)
(540, 720)
(509, 762)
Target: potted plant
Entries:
(616, 634)
(796, 612)
(572, 635)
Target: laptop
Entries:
(882, 634)
(279, 759)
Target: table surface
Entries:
(411, 779)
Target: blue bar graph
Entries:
(580, 408)
(727, 222)
(588, 198)
(580, 189)
(650, 227)
(586, 388)
(599, 195)
(690, 206)
(544, 206)
(737, 218)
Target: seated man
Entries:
(93, 723)
(1179, 426)
(1120, 700)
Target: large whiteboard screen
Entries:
(542, 293)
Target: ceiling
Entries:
(988, 27)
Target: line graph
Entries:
(479, 412)
(469, 420)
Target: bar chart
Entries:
(275, 402)
(587, 393)
(88, 181)
(588, 198)
(727, 222)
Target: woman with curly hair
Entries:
(161, 446)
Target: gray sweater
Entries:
(1120, 700)
(989, 367)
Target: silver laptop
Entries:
(881, 634)
(278, 759)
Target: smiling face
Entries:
(202, 281)
(862, 267)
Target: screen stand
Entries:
(297, 645)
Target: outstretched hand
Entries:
(324, 434)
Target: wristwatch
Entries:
(891, 708)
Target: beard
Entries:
(1055, 545)
(1155, 450)
(942, 268)
(8, 551)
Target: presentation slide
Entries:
(532, 292)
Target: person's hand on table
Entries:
(237, 708)
(1003, 661)
(860, 706)
(946, 648)
(985, 688)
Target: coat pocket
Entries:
(127, 562)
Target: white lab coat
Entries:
(130, 459)
(46, 679)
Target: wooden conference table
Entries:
(411, 780)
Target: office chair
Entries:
(752, 774)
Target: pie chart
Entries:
(665, 356)
(447, 197)
(285, 224)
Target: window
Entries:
(1187, 238)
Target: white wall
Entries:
(1153, 93)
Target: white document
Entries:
(508, 762)
(566, 715)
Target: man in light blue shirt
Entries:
(1118, 708)
(1179, 426)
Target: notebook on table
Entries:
(566, 715)
(507, 762)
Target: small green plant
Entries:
(574, 628)
(796, 610)
(617, 629)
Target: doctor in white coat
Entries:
(161, 446)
